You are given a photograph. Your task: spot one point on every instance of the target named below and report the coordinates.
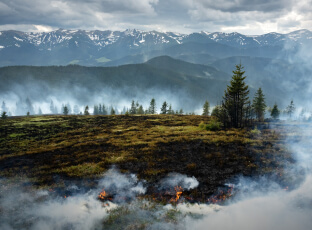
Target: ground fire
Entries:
(102, 195)
(178, 190)
(222, 195)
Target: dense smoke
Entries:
(124, 187)
(42, 210)
(275, 210)
(24, 207)
(264, 204)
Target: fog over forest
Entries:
(182, 81)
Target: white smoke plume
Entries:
(122, 186)
(46, 210)
(275, 210)
(176, 179)
(41, 210)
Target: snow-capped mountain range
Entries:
(48, 40)
(105, 38)
(62, 47)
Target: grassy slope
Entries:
(43, 148)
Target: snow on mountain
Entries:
(269, 39)
(232, 39)
(300, 36)
(62, 47)
(96, 38)
(133, 37)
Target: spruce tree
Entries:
(152, 107)
(258, 105)
(290, 109)
(4, 115)
(112, 111)
(236, 99)
(170, 110)
(216, 111)
(140, 110)
(164, 108)
(275, 112)
(133, 108)
(86, 111)
(104, 110)
(206, 108)
(96, 110)
(65, 110)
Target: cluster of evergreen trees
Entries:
(166, 108)
(236, 110)
(135, 108)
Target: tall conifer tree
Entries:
(164, 107)
(206, 108)
(258, 104)
(275, 112)
(236, 99)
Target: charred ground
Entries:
(52, 150)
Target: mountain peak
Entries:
(105, 46)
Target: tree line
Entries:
(237, 110)
(27, 108)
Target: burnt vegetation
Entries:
(50, 150)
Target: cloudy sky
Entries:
(184, 16)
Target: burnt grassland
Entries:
(50, 150)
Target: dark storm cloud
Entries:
(246, 5)
(166, 15)
(71, 13)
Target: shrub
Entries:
(255, 132)
(202, 125)
(4, 115)
(213, 125)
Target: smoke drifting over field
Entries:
(23, 207)
(259, 203)
(265, 205)
(38, 210)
